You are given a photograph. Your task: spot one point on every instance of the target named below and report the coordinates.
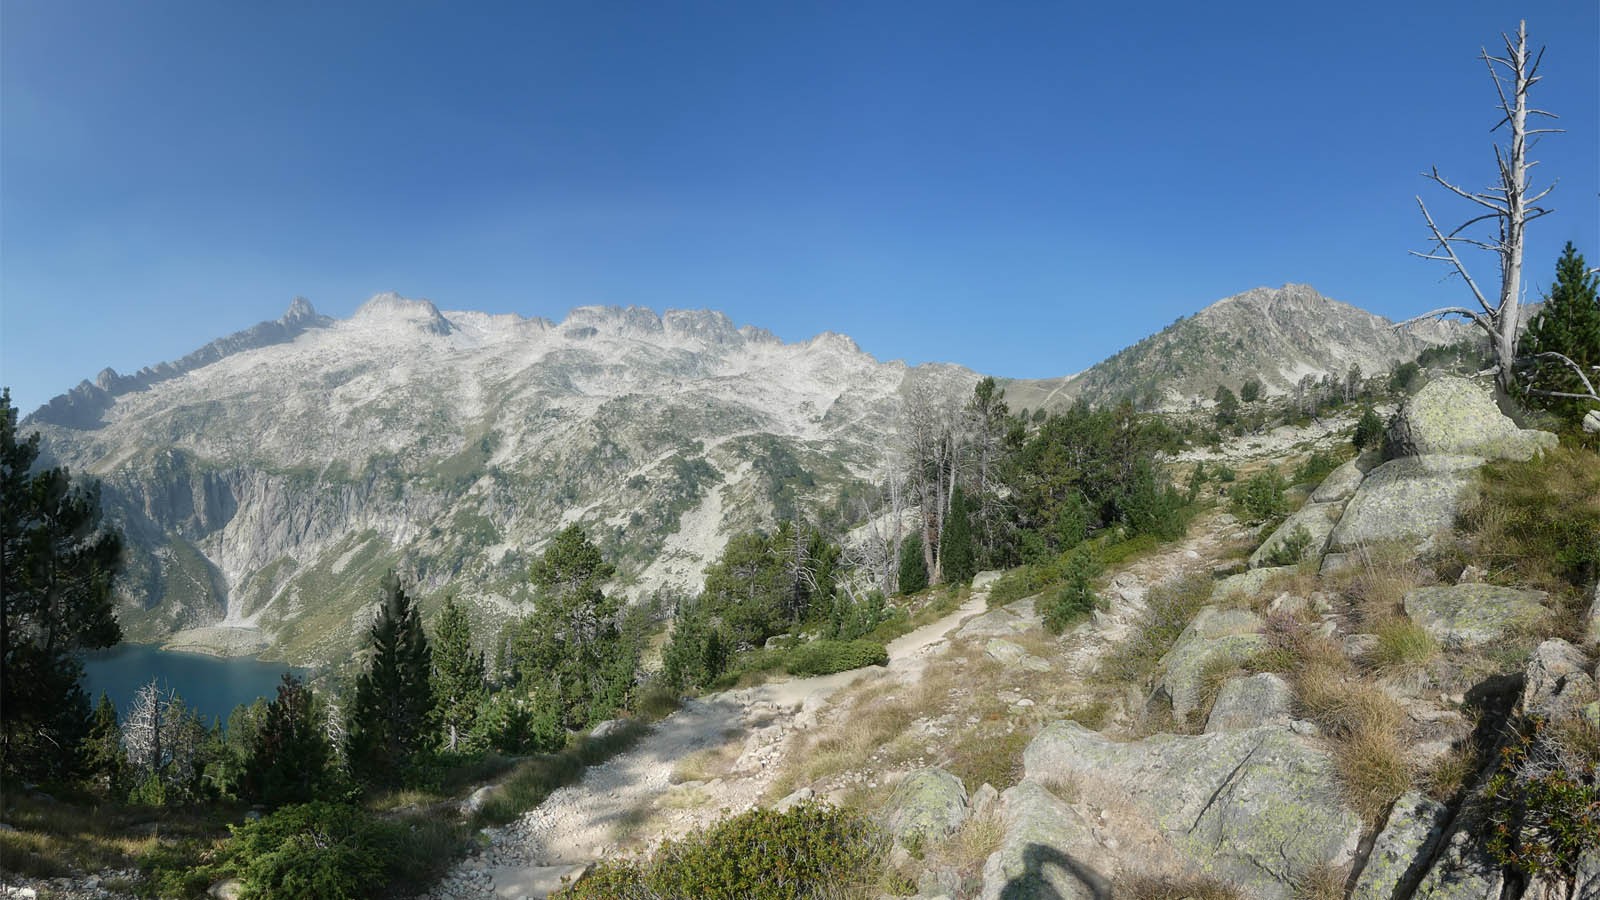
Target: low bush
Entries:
(324, 850)
(1261, 498)
(825, 657)
(1544, 802)
(1075, 599)
(1291, 549)
(809, 851)
(1316, 467)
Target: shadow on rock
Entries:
(1036, 883)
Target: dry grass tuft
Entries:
(1403, 646)
(1321, 882)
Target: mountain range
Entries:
(265, 481)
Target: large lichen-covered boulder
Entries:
(1406, 499)
(1341, 483)
(1318, 521)
(1457, 416)
(1214, 635)
(1013, 656)
(1591, 629)
(928, 805)
(1463, 616)
(1049, 851)
(1402, 849)
(1004, 621)
(1251, 702)
(1246, 584)
(1259, 808)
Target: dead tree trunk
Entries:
(1509, 207)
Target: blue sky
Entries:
(1020, 188)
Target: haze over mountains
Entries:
(265, 481)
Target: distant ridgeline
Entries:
(82, 406)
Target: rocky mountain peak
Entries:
(391, 308)
(300, 311)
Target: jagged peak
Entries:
(300, 310)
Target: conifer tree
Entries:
(1568, 324)
(1369, 430)
(570, 649)
(957, 560)
(458, 674)
(390, 718)
(913, 568)
(104, 761)
(57, 562)
(289, 753)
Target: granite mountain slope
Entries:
(266, 481)
(1279, 335)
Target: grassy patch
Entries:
(1169, 609)
(1403, 646)
(1537, 524)
(983, 757)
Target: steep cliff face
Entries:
(266, 481)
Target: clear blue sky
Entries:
(1020, 188)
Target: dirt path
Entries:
(585, 822)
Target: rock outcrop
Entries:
(1457, 417)
(1465, 616)
(1251, 702)
(1409, 499)
(928, 805)
(1258, 807)
(1215, 634)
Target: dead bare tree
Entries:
(1509, 208)
(931, 436)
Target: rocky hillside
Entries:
(1279, 335)
(267, 480)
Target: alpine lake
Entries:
(210, 685)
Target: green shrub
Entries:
(1316, 467)
(323, 850)
(1291, 549)
(1224, 473)
(1544, 801)
(1261, 498)
(913, 568)
(178, 869)
(825, 657)
(758, 855)
(1076, 597)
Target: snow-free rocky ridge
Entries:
(265, 482)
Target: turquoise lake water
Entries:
(209, 684)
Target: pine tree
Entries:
(1569, 324)
(57, 562)
(571, 649)
(389, 721)
(289, 753)
(104, 761)
(1369, 430)
(458, 674)
(957, 560)
(1227, 406)
(913, 570)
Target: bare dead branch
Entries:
(1454, 259)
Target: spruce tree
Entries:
(458, 674)
(957, 560)
(390, 719)
(1569, 324)
(57, 562)
(913, 569)
(289, 753)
